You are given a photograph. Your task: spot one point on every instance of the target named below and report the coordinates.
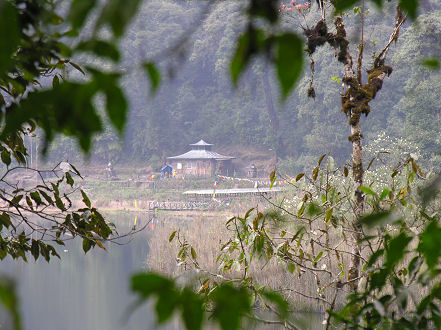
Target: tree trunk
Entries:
(355, 102)
(357, 173)
(377, 75)
(351, 108)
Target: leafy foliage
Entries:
(49, 202)
(286, 48)
(36, 50)
(399, 252)
(407, 268)
(229, 304)
(9, 300)
(35, 53)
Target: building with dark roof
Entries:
(200, 160)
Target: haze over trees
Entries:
(196, 97)
(178, 71)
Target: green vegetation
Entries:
(301, 250)
(198, 99)
(72, 72)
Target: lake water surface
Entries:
(82, 291)
(90, 292)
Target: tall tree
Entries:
(355, 100)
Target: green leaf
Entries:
(318, 257)
(6, 157)
(328, 215)
(384, 194)
(395, 252)
(410, 7)
(117, 14)
(377, 219)
(55, 81)
(230, 305)
(154, 76)
(241, 57)
(431, 63)
(314, 209)
(75, 170)
(5, 220)
(44, 251)
(59, 203)
(289, 61)
(279, 301)
(16, 200)
(315, 172)
(36, 197)
(192, 309)
(19, 157)
(264, 9)
(248, 213)
(396, 249)
(46, 197)
(79, 9)
(9, 299)
(416, 168)
(87, 244)
(147, 284)
(35, 250)
(429, 244)
(374, 257)
(55, 188)
(116, 106)
(9, 34)
(321, 159)
(168, 298)
(69, 179)
(414, 265)
(299, 231)
(86, 199)
(172, 236)
(341, 5)
(193, 253)
(272, 178)
(166, 304)
(76, 66)
(67, 108)
(100, 48)
(368, 191)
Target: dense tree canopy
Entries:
(77, 70)
(196, 97)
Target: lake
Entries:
(90, 292)
(82, 291)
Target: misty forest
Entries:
(258, 164)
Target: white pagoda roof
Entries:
(201, 150)
(202, 154)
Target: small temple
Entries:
(200, 160)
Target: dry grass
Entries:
(206, 234)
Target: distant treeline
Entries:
(196, 98)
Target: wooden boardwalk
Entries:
(237, 192)
(177, 206)
(203, 199)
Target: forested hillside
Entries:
(192, 46)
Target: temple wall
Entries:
(194, 167)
